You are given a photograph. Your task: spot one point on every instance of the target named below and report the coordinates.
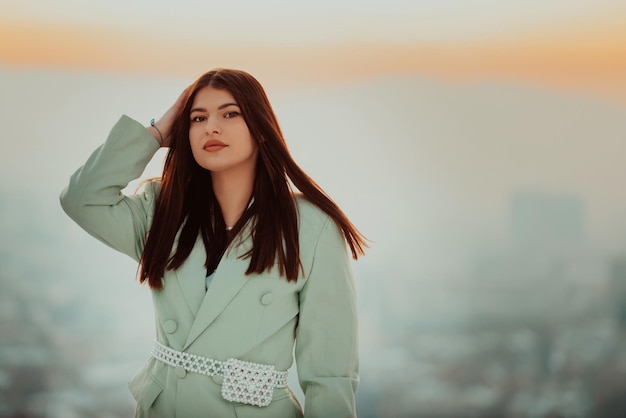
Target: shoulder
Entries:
(311, 217)
(322, 243)
(149, 187)
(152, 186)
(315, 224)
(145, 197)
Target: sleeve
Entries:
(327, 340)
(94, 198)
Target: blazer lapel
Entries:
(191, 277)
(230, 277)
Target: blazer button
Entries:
(180, 372)
(170, 326)
(267, 298)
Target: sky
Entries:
(296, 22)
(568, 44)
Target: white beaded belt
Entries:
(244, 382)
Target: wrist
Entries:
(156, 132)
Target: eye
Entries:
(198, 119)
(231, 114)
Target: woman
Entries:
(241, 268)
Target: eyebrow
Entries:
(202, 109)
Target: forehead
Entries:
(210, 97)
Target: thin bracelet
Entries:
(157, 129)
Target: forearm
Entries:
(93, 198)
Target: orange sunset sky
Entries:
(562, 44)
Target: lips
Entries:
(213, 145)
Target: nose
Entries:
(212, 126)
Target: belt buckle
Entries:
(248, 383)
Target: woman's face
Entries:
(219, 136)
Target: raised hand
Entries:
(162, 128)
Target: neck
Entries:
(233, 191)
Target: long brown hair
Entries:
(186, 201)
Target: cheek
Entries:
(249, 142)
(194, 133)
(196, 148)
(252, 149)
(195, 140)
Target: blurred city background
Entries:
(479, 145)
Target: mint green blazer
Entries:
(258, 318)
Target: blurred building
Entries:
(546, 221)
(618, 290)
